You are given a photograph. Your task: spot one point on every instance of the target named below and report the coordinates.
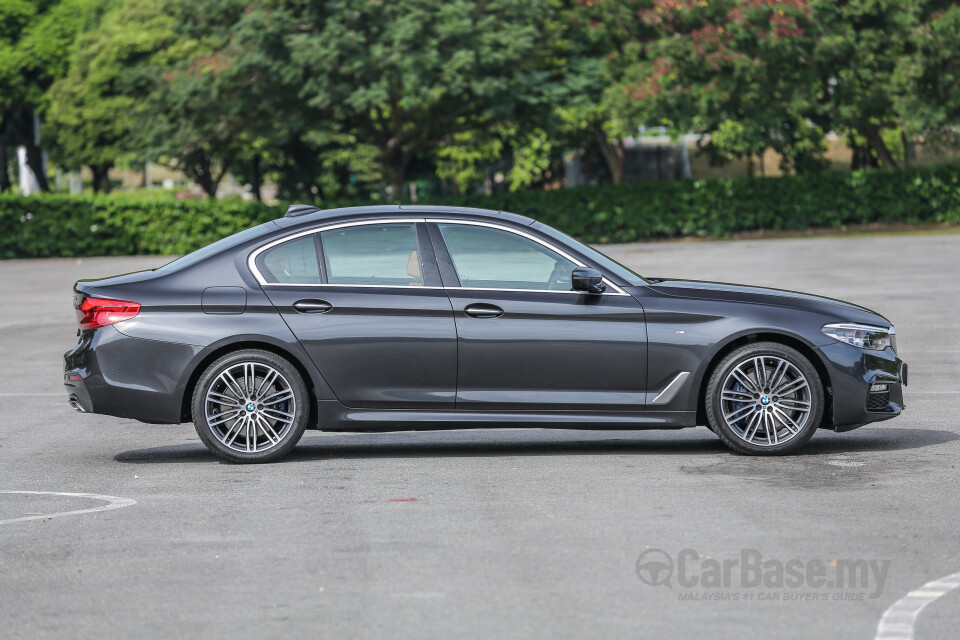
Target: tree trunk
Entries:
(856, 155)
(395, 171)
(255, 178)
(24, 129)
(201, 167)
(4, 174)
(201, 171)
(101, 177)
(612, 154)
(909, 150)
(872, 133)
(751, 166)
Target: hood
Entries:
(843, 311)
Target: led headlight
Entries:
(862, 335)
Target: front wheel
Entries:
(764, 399)
(250, 406)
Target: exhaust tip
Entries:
(75, 403)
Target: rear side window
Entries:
(373, 254)
(293, 262)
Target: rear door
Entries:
(365, 301)
(526, 340)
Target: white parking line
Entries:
(20, 395)
(113, 503)
(911, 393)
(897, 621)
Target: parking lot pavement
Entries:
(513, 533)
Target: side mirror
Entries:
(587, 279)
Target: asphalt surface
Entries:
(513, 533)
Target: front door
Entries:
(526, 341)
(365, 302)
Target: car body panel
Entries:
(378, 347)
(409, 357)
(550, 350)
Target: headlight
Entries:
(862, 335)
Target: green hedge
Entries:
(61, 226)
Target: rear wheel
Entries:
(764, 399)
(250, 406)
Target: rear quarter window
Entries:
(292, 262)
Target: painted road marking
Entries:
(113, 502)
(20, 395)
(897, 622)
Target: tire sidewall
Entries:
(301, 399)
(737, 357)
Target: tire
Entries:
(230, 414)
(745, 410)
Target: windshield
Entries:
(216, 247)
(603, 261)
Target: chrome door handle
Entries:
(312, 306)
(483, 310)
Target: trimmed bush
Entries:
(62, 226)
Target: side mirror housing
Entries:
(588, 280)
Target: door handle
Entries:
(483, 310)
(312, 306)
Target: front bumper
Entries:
(853, 372)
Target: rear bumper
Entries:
(113, 374)
(853, 372)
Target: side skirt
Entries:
(333, 416)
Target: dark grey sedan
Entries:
(417, 317)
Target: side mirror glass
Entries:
(587, 279)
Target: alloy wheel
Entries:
(250, 407)
(766, 400)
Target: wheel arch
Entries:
(208, 357)
(808, 351)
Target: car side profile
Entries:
(420, 317)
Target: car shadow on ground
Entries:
(544, 442)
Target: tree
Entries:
(597, 42)
(96, 110)
(755, 74)
(405, 75)
(35, 41)
(926, 85)
(741, 72)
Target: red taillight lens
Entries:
(99, 312)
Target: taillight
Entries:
(99, 312)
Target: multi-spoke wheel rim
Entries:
(766, 401)
(250, 407)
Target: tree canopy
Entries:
(341, 98)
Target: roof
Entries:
(298, 214)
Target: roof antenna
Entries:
(295, 210)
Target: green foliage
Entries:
(94, 108)
(54, 225)
(405, 75)
(58, 226)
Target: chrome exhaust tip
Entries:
(75, 403)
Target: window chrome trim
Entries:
(477, 223)
(252, 259)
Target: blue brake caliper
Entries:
(736, 406)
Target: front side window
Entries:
(293, 262)
(373, 254)
(487, 258)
